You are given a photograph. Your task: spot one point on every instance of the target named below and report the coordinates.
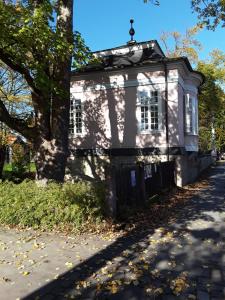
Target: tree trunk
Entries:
(50, 132)
(2, 159)
(50, 160)
(51, 143)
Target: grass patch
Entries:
(29, 167)
(62, 207)
(18, 175)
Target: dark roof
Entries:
(127, 45)
(100, 68)
(141, 57)
(115, 61)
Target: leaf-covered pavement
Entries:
(180, 257)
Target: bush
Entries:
(19, 161)
(66, 206)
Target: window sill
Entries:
(73, 136)
(150, 132)
(190, 134)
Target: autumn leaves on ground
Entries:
(152, 256)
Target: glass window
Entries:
(76, 112)
(149, 111)
(191, 115)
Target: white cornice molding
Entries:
(187, 79)
(121, 84)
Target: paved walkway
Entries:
(185, 259)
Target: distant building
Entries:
(16, 140)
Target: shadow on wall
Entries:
(111, 123)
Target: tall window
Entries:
(191, 114)
(76, 123)
(150, 111)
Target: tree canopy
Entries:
(182, 44)
(212, 102)
(210, 12)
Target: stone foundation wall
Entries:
(93, 167)
(188, 166)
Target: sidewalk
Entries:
(184, 259)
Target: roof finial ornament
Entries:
(131, 32)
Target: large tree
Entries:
(212, 96)
(37, 41)
(212, 103)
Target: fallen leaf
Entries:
(69, 264)
(25, 273)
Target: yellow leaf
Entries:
(25, 273)
(35, 245)
(69, 264)
(114, 289)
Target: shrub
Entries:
(19, 161)
(60, 206)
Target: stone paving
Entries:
(184, 259)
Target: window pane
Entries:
(154, 117)
(154, 97)
(149, 110)
(144, 113)
(75, 116)
(189, 115)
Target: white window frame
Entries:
(150, 103)
(191, 114)
(74, 117)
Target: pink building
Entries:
(134, 105)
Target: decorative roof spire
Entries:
(131, 32)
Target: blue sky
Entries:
(105, 23)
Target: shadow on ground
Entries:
(182, 259)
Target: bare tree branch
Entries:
(16, 124)
(20, 69)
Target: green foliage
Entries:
(13, 174)
(68, 206)
(205, 138)
(30, 167)
(35, 43)
(18, 159)
(212, 102)
(210, 12)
